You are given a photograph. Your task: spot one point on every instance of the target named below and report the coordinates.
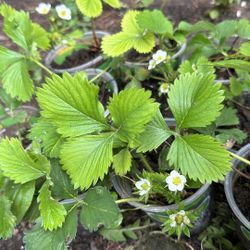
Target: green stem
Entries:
(145, 162)
(100, 74)
(126, 200)
(41, 66)
(240, 158)
(138, 228)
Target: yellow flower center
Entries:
(176, 180)
(159, 58)
(145, 186)
(179, 219)
(63, 12)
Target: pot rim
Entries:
(51, 55)
(154, 208)
(228, 187)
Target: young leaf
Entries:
(122, 162)
(155, 133)
(228, 117)
(17, 164)
(87, 158)
(7, 219)
(99, 208)
(22, 199)
(90, 8)
(131, 110)
(71, 103)
(155, 21)
(52, 212)
(191, 98)
(231, 134)
(200, 157)
(234, 63)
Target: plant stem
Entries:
(138, 228)
(96, 41)
(240, 158)
(145, 162)
(100, 74)
(126, 200)
(41, 66)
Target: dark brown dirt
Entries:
(242, 195)
(77, 58)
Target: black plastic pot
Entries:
(201, 199)
(132, 64)
(91, 64)
(243, 225)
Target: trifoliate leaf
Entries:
(200, 157)
(22, 198)
(122, 162)
(90, 8)
(155, 21)
(99, 208)
(17, 164)
(156, 132)
(87, 158)
(46, 132)
(52, 212)
(132, 36)
(195, 100)
(131, 110)
(71, 103)
(113, 3)
(7, 219)
(228, 117)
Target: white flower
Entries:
(164, 88)
(152, 64)
(63, 12)
(43, 8)
(160, 56)
(238, 13)
(176, 181)
(179, 219)
(143, 186)
(243, 4)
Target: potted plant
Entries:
(237, 192)
(85, 52)
(143, 32)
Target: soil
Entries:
(242, 194)
(77, 58)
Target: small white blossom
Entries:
(179, 219)
(63, 12)
(43, 8)
(243, 4)
(164, 88)
(176, 181)
(238, 13)
(152, 64)
(160, 56)
(143, 186)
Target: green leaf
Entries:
(52, 212)
(245, 49)
(22, 198)
(191, 98)
(71, 103)
(244, 28)
(90, 8)
(234, 134)
(113, 3)
(40, 36)
(7, 219)
(62, 187)
(113, 234)
(87, 158)
(200, 157)
(122, 162)
(228, 117)
(17, 164)
(155, 21)
(156, 132)
(99, 208)
(132, 36)
(234, 63)
(131, 110)
(235, 86)
(46, 132)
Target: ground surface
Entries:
(177, 10)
